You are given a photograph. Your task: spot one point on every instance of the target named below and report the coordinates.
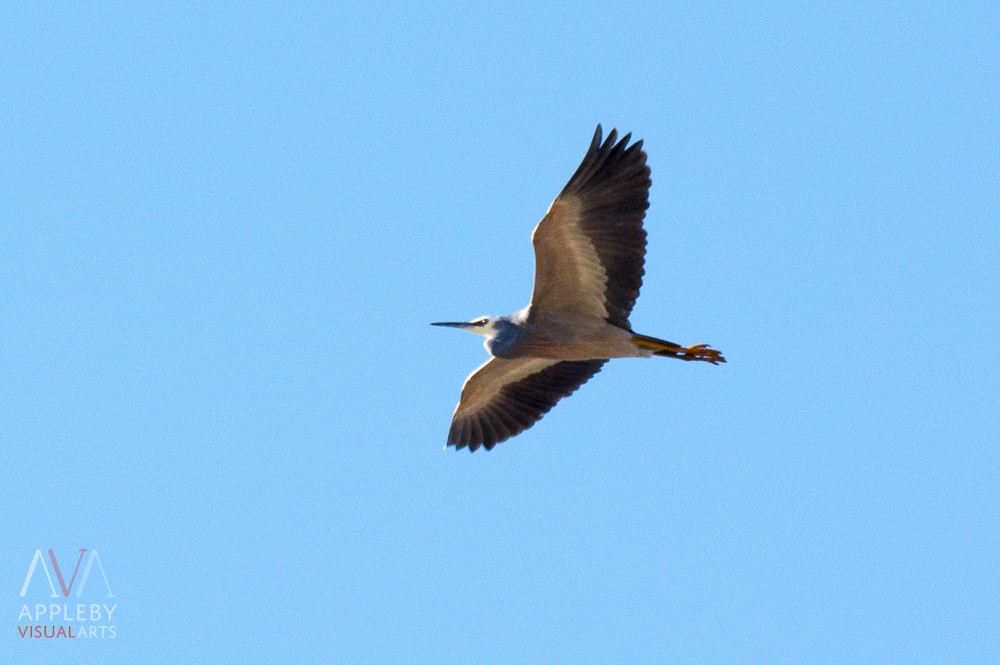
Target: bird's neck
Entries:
(503, 341)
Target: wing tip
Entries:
(473, 443)
(609, 152)
(461, 437)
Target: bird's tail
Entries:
(667, 349)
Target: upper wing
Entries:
(505, 397)
(590, 246)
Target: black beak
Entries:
(452, 324)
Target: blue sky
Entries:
(225, 228)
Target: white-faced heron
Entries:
(589, 251)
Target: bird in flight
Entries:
(589, 251)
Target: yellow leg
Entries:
(669, 350)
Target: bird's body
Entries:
(589, 252)
(559, 336)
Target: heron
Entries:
(589, 252)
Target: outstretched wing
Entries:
(590, 246)
(507, 396)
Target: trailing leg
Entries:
(667, 349)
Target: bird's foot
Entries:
(701, 352)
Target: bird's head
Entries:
(487, 326)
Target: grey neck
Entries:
(503, 342)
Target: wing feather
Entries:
(507, 396)
(590, 246)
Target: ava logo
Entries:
(67, 620)
(38, 558)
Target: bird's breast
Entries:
(505, 343)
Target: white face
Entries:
(484, 325)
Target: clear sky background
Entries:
(225, 228)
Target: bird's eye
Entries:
(482, 322)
